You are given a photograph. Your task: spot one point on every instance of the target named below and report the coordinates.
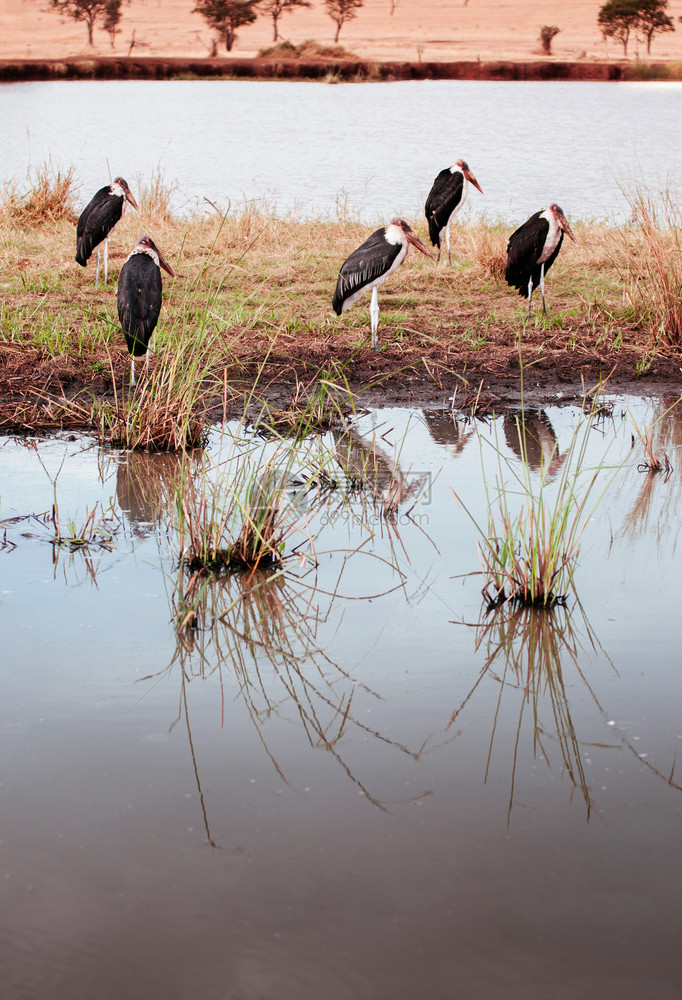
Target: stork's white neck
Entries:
(553, 236)
(150, 253)
(395, 235)
(454, 169)
(117, 191)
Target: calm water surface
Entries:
(373, 149)
(354, 784)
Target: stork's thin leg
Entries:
(447, 242)
(106, 260)
(530, 292)
(374, 314)
(132, 372)
(542, 287)
(146, 367)
(97, 274)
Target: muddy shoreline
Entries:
(35, 393)
(155, 68)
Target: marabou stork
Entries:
(446, 197)
(532, 250)
(370, 264)
(97, 220)
(139, 297)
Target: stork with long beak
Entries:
(97, 220)
(139, 298)
(532, 250)
(370, 264)
(446, 198)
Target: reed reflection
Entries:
(655, 510)
(268, 630)
(527, 652)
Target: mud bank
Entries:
(353, 70)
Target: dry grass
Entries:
(652, 270)
(49, 197)
(252, 301)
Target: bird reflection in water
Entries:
(530, 435)
(449, 429)
(146, 485)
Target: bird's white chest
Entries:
(394, 236)
(552, 238)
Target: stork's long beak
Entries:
(129, 198)
(563, 224)
(470, 177)
(164, 264)
(417, 243)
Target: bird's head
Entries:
(464, 167)
(410, 236)
(145, 244)
(125, 191)
(562, 222)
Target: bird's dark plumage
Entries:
(139, 296)
(139, 301)
(99, 217)
(533, 248)
(524, 250)
(443, 199)
(370, 261)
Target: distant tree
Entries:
(111, 18)
(82, 10)
(341, 11)
(547, 34)
(275, 9)
(617, 18)
(225, 16)
(653, 19)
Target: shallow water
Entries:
(355, 784)
(371, 149)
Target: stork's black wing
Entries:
(139, 301)
(443, 199)
(96, 221)
(523, 250)
(370, 261)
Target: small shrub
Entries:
(548, 33)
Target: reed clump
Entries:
(240, 515)
(530, 545)
(50, 197)
(167, 412)
(653, 263)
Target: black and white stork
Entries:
(370, 264)
(532, 250)
(446, 198)
(139, 297)
(97, 220)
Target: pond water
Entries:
(350, 781)
(371, 149)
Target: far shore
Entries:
(329, 70)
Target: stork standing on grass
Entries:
(139, 297)
(97, 220)
(532, 250)
(370, 264)
(446, 198)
